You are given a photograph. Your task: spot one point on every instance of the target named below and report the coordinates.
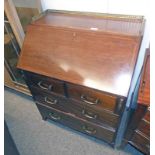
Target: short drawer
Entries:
(98, 116)
(76, 123)
(141, 142)
(144, 127)
(51, 100)
(96, 98)
(45, 83)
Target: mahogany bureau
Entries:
(138, 133)
(79, 68)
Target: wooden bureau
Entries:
(138, 133)
(79, 68)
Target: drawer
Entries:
(96, 98)
(141, 142)
(144, 127)
(76, 123)
(45, 83)
(102, 117)
(52, 100)
(67, 105)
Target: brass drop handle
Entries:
(89, 115)
(44, 86)
(54, 116)
(50, 100)
(84, 99)
(88, 129)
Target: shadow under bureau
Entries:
(79, 68)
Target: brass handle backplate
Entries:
(54, 116)
(50, 100)
(44, 86)
(84, 99)
(89, 114)
(88, 129)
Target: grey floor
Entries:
(33, 136)
(9, 145)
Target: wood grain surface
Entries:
(96, 59)
(77, 123)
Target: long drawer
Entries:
(45, 83)
(96, 98)
(141, 142)
(98, 116)
(76, 123)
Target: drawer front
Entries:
(95, 98)
(100, 117)
(141, 142)
(144, 127)
(70, 106)
(45, 83)
(76, 123)
(51, 100)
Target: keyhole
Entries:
(74, 34)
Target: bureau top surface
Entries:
(55, 47)
(122, 24)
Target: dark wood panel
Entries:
(101, 117)
(136, 117)
(76, 123)
(141, 142)
(138, 132)
(147, 116)
(144, 127)
(45, 83)
(94, 98)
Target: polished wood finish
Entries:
(45, 83)
(77, 123)
(141, 142)
(98, 116)
(119, 24)
(147, 116)
(144, 127)
(134, 121)
(144, 93)
(89, 60)
(138, 133)
(93, 97)
(101, 60)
